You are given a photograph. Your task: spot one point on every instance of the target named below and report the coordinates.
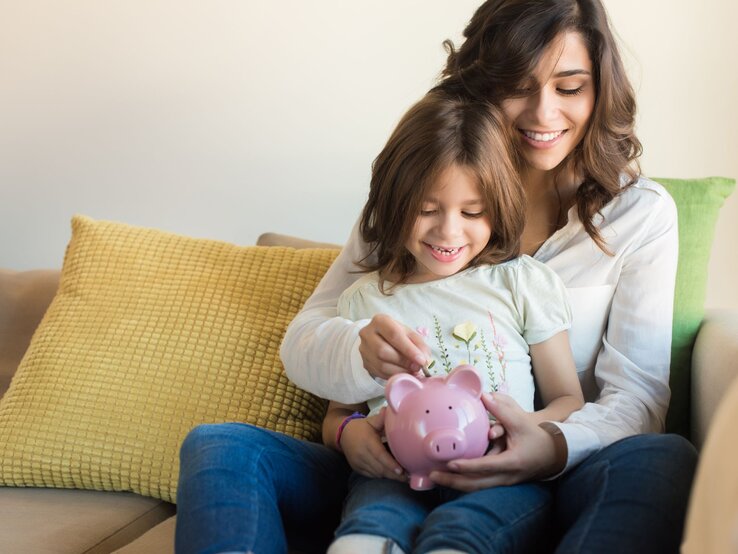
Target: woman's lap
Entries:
(629, 497)
(244, 488)
(240, 484)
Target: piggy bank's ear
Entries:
(467, 378)
(398, 387)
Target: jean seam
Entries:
(595, 506)
(253, 497)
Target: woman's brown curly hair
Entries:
(504, 42)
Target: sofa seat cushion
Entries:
(73, 521)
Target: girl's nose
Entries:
(450, 226)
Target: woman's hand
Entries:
(529, 452)
(361, 443)
(388, 347)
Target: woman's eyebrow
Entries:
(570, 72)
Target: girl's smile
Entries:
(452, 227)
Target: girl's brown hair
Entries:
(504, 42)
(436, 133)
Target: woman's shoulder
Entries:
(647, 195)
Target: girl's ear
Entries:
(398, 387)
(466, 377)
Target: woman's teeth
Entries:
(542, 137)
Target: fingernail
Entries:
(420, 360)
(454, 467)
(415, 368)
(398, 470)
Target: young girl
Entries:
(444, 217)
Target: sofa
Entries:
(58, 519)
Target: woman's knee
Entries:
(217, 441)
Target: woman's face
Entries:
(552, 121)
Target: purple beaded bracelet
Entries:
(355, 415)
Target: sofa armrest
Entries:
(714, 366)
(277, 239)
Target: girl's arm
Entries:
(361, 441)
(334, 417)
(556, 379)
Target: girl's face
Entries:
(452, 228)
(553, 120)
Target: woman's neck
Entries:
(548, 197)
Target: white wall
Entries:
(227, 118)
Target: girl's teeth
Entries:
(446, 251)
(542, 137)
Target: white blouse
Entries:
(621, 321)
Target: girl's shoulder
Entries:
(368, 282)
(523, 269)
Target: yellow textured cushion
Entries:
(150, 334)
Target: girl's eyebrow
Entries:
(470, 202)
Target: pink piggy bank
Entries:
(432, 421)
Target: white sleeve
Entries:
(632, 368)
(320, 351)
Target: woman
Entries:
(554, 69)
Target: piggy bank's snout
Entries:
(445, 444)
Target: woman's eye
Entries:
(571, 91)
(427, 212)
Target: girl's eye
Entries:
(570, 91)
(473, 215)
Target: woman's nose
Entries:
(544, 104)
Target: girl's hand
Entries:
(361, 443)
(388, 347)
(529, 452)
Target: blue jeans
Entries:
(246, 489)
(629, 497)
(501, 519)
(243, 488)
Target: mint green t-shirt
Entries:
(486, 316)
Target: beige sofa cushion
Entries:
(61, 521)
(24, 297)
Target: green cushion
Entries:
(698, 202)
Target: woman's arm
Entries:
(632, 367)
(556, 379)
(336, 358)
(320, 351)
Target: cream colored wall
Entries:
(227, 118)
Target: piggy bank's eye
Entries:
(450, 408)
(427, 411)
